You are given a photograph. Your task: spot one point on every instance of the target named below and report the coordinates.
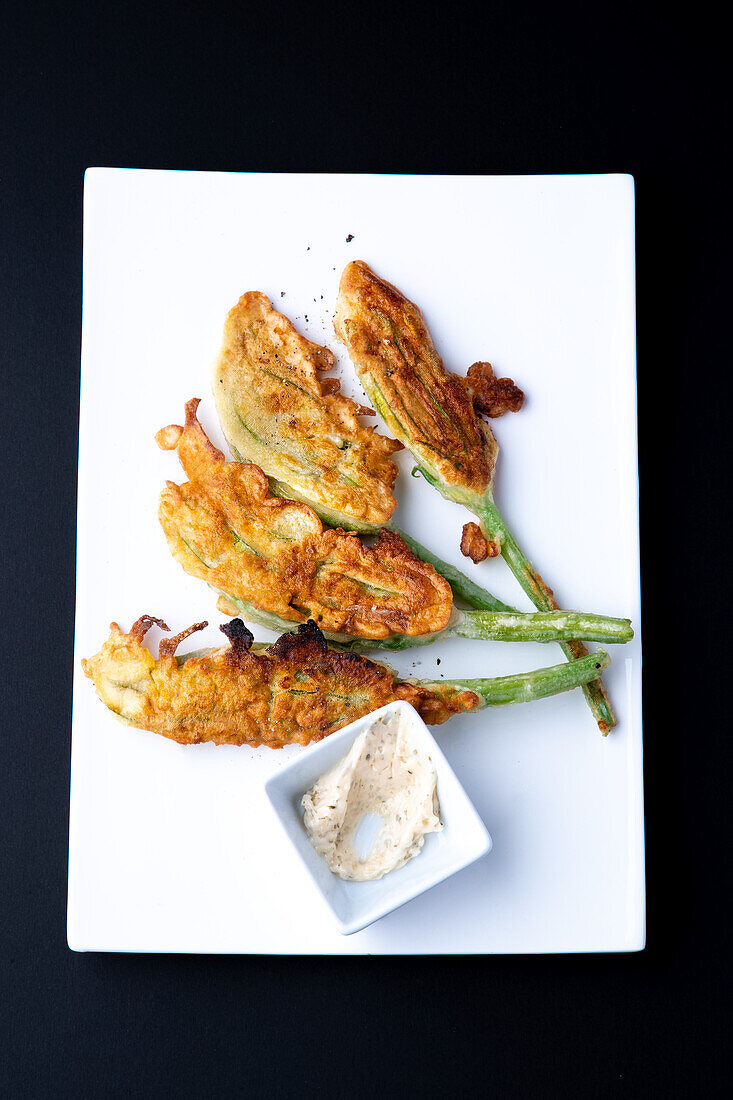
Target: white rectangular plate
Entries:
(174, 849)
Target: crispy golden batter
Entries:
(424, 405)
(293, 692)
(306, 436)
(274, 554)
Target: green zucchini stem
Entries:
(542, 597)
(481, 625)
(523, 687)
(542, 626)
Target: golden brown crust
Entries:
(491, 395)
(224, 527)
(428, 408)
(475, 546)
(295, 692)
(276, 411)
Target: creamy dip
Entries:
(387, 776)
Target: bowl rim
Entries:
(281, 783)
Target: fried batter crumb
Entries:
(491, 395)
(167, 438)
(475, 546)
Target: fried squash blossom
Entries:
(275, 411)
(224, 527)
(424, 405)
(292, 692)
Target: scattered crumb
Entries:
(350, 238)
(438, 661)
(475, 546)
(491, 395)
(282, 293)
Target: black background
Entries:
(176, 86)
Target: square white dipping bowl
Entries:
(354, 905)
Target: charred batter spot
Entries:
(306, 641)
(240, 638)
(491, 395)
